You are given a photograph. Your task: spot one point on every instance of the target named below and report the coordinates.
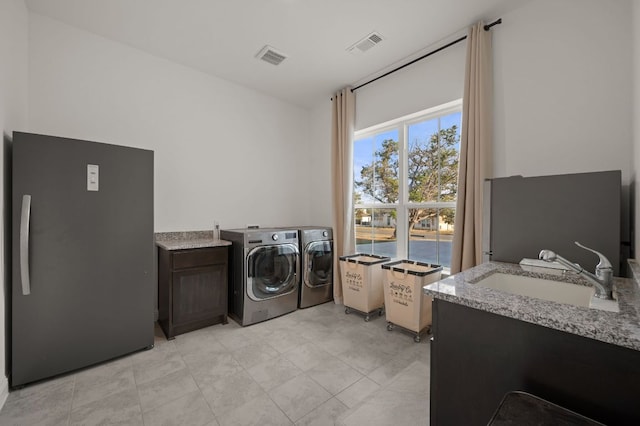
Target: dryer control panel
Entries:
(264, 237)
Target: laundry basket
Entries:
(362, 283)
(405, 303)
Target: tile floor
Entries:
(315, 366)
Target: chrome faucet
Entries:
(603, 278)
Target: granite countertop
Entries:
(618, 328)
(188, 240)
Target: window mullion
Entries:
(401, 212)
(439, 171)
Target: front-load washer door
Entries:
(319, 264)
(272, 271)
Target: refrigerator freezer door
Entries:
(90, 255)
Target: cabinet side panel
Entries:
(480, 356)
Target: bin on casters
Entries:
(406, 305)
(362, 283)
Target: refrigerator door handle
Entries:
(24, 244)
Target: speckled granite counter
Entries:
(188, 240)
(622, 329)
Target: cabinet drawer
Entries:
(199, 257)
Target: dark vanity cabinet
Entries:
(478, 357)
(192, 288)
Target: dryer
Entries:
(316, 251)
(264, 273)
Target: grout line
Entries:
(137, 389)
(201, 393)
(73, 393)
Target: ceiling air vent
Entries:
(365, 44)
(271, 55)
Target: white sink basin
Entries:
(555, 291)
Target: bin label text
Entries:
(354, 281)
(401, 294)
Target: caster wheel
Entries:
(389, 327)
(416, 339)
(367, 318)
(347, 311)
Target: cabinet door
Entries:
(199, 293)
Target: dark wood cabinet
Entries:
(192, 289)
(477, 357)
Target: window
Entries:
(405, 185)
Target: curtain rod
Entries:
(487, 27)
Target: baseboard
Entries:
(4, 391)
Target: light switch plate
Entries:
(93, 177)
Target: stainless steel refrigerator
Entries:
(82, 254)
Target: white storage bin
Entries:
(362, 283)
(405, 303)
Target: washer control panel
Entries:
(309, 234)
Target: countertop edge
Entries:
(184, 240)
(191, 244)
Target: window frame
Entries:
(403, 204)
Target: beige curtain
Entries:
(475, 150)
(343, 122)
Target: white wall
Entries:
(319, 183)
(13, 116)
(222, 152)
(562, 73)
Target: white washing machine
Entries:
(316, 252)
(264, 273)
